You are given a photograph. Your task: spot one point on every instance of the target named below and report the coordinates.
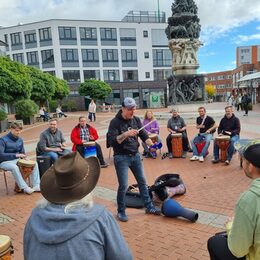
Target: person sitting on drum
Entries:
(52, 142)
(11, 150)
(152, 129)
(229, 126)
(176, 125)
(66, 223)
(83, 133)
(207, 126)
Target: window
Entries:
(30, 37)
(16, 38)
(146, 55)
(129, 55)
(32, 58)
(67, 33)
(161, 74)
(47, 56)
(69, 55)
(90, 55)
(147, 75)
(162, 58)
(108, 33)
(110, 55)
(88, 33)
(111, 75)
(45, 34)
(71, 75)
(145, 34)
(6, 38)
(130, 75)
(91, 74)
(18, 57)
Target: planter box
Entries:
(3, 125)
(27, 120)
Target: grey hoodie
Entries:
(82, 234)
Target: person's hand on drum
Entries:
(228, 132)
(20, 155)
(91, 138)
(57, 149)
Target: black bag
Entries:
(133, 198)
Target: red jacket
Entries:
(75, 135)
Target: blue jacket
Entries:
(10, 146)
(81, 234)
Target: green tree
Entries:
(43, 86)
(96, 89)
(61, 88)
(15, 83)
(25, 108)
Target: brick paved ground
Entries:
(212, 190)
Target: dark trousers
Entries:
(80, 149)
(246, 108)
(218, 249)
(185, 142)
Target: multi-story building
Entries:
(3, 46)
(132, 55)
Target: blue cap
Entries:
(250, 150)
(129, 103)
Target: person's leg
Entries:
(194, 147)
(35, 177)
(218, 249)
(14, 169)
(137, 169)
(208, 138)
(246, 109)
(231, 147)
(169, 143)
(121, 163)
(100, 154)
(94, 116)
(54, 156)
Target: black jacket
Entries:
(231, 124)
(119, 125)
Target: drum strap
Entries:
(203, 120)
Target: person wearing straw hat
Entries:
(122, 135)
(242, 240)
(66, 224)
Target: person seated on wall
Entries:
(176, 124)
(52, 142)
(59, 112)
(152, 129)
(83, 133)
(11, 150)
(207, 126)
(44, 114)
(66, 223)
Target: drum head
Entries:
(176, 135)
(223, 137)
(152, 135)
(27, 163)
(90, 143)
(5, 243)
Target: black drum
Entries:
(44, 163)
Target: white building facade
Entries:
(131, 55)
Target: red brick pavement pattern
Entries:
(213, 188)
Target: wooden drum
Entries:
(177, 145)
(223, 143)
(26, 169)
(6, 248)
(153, 137)
(90, 149)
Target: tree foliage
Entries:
(210, 90)
(26, 108)
(96, 89)
(61, 88)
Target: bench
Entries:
(54, 115)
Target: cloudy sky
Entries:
(225, 24)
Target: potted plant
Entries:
(3, 121)
(25, 109)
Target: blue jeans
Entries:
(122, 163)
(55, 155)
(231, 148)
(208, 138)
(12, 167)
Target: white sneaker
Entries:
(28, 190)
(201, 158)
(194, 158)
(37, 188)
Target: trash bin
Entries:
(44, 163)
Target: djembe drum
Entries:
(6, 248)
(26, 169)
(177, 145)
(223, 143)
(153, 137)
(90, 149)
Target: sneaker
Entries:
(215, 160)
(170, 155)
(227, 162)
(105, 165)
(194, 158)
(28, 190)
(153, 210)
(184, 155)
(37, 188)
(121, 216)
(201, 158)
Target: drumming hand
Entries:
(57, 149)
(20, 155)
(228, 132)
(91, 138)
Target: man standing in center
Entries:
(123, 136)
